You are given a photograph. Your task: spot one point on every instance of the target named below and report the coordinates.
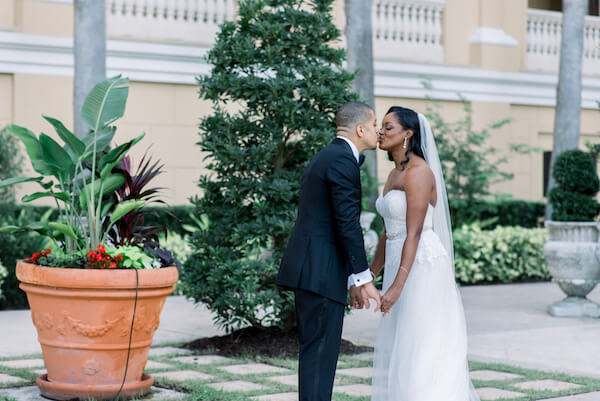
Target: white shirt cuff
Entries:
(359, 279)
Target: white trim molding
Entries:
(178, 64)
(403, 80)
(492, 36)
(147, 62)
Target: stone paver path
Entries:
(179, 374)
(23, 363)
(492, 393)
(32, 393)
(237, 385)
(202, 359)
(553, 385)
(182, 375)
(487, 375)
(253, 369)
(277, 397)
(5, 379)
(157, 365)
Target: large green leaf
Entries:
(55, 155)
(108, 185)
(112, 158)
(18, 180)
(32, 146)
(105, 103)
(63, 196)
(125, 207)
(63, 229)
(75, 144)
(33, 149)
(103, 139)
(112, 183)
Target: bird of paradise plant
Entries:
(80, 175)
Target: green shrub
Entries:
(17, 246)
(577, 184)
(510, 212)
(10, 162)
(3, 275)
(173, 218)
(280, 63)
(504, 254)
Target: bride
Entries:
(421, 346)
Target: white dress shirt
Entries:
(363, 277)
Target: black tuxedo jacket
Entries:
(326, 244)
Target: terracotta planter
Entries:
(83, 319)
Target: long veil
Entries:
(441, 214)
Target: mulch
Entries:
(269, 342)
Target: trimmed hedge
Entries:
(501, 255)
(506, 212)
(573, 199)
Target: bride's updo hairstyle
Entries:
(409, 120)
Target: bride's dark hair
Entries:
(408, 119)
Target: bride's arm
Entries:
(417, 185)
(379, 258)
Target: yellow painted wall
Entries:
(44, 18)
(169, 115)
(530, 125)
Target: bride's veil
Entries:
(441, 214)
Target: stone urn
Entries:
(572, 256)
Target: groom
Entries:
(325, 252)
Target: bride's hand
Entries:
(389, 298)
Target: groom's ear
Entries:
(359, 130)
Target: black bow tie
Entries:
(361, 160)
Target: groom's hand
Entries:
(369, 291)
(356, 299)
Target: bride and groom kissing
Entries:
(421, 346)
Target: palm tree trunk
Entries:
(90, 54)
(359, 39)
(568, 97)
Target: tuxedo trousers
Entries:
(319, 322)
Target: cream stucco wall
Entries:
(44, 18)
(168, 114)
(530, 125)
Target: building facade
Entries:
(501, 56)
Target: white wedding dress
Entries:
(421, 346)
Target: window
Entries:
(547, 158)
(594, 7)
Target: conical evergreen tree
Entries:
(279, 65)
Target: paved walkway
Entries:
(507, 324)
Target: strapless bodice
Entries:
(392, 207)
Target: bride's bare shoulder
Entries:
(420, 172)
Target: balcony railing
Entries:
(175, 21)
(406, 30)
(543, 42)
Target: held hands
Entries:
(368, 291)
(356, 300)
(389, 298)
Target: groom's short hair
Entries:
(352, 114)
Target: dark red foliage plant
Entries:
(131, 229)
